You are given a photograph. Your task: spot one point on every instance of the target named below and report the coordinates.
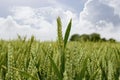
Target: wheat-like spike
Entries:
(59, 30)
(10, 73)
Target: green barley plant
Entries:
(61, 48)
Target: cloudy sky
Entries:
(38, 17)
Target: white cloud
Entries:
(98, 16)
(6, 5)
(101, 16)
(40, 22)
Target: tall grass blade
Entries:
(81, 74)
(67, 33)
(56, 70)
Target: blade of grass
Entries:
(81, 74)
(55, 69)
(94, 74)
(67, 33)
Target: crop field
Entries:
(29, 60)
(59, 60)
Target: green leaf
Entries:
(92, 77)
(27, 75)
(55, 69)
(81, 74)
(67, 33)
(62, 65)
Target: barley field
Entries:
(23, 59)
(32, 60)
